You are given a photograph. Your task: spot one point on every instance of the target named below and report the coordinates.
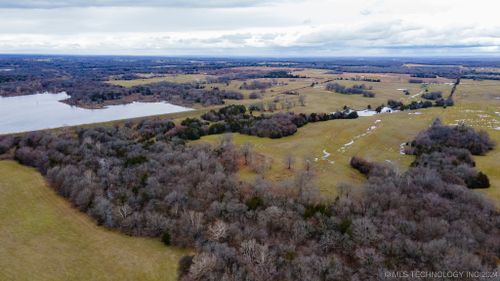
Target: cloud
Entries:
(382, 38)
(250, 27)
(51, 4)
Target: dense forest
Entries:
(142, 179)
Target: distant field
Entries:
(180, 78)
(44, 238)
(477, 104)
(430, 65)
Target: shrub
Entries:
(361, 165)
(433, 95)
(479, 181)
(345, 226)
(165, 238)
(311, 210)
(254, 203)
(184, 264)
(255, 95)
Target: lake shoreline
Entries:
(49, 111)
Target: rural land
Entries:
(284, 169)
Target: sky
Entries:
(271, 28)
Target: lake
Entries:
(45, 111)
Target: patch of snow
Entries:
(378, 120)
(366, 112)
(415, 113)
(417, 94)
(325, 154)
(349, 143)
(402, 148)
(386, 109)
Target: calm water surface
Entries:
(45, 111)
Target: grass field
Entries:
(377, 138)
(181, 78)
(44, 238)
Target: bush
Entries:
(166, 239)
(255, 95)
(361, 165)
(479, 181)
(433, 95)
(415, 81)
(345, 226)
(254, 203)
(184, 264)
(311, 210)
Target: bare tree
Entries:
(308, 161)
(124, 211)
(218, 230)
(271, 106)
(225, 140)
(202, 264)
(302, 100)
(246, 149)
(289, 161)
(195, 219)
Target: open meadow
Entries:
(44, 238)
(377, 138)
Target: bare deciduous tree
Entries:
(289, 161)
(302, 100)
(246, 149)
(308, 163)
(218, 230)
(202, 264)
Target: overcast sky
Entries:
(251, 27)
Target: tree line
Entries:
(361, 89)
(234, 118)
